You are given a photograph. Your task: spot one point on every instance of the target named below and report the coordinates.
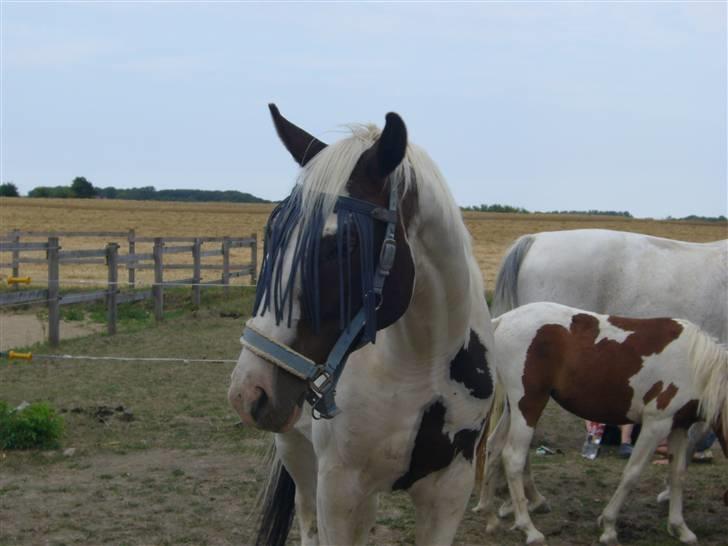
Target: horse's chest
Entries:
(405, 426)
(435, 445)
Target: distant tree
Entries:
(80, 187)
(108, 193)
(40, 191)
(57, 192)
(8, 189)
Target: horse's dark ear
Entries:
(388, 151)
(302, 146)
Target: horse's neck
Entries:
(448, 297)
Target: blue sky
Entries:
(618, 106)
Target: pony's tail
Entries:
(492, 419)
(505, 295)
(278, 505)
(709, 361)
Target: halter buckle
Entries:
(322, 383)
(386, 262)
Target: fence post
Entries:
(158, 289)
(54, 308)
(254, 259)
(225, 264)
(112, 253)
(131, 265)
(196, 272)
(15, 236)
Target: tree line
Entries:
(80, 188)
(520, 210)
(83, 189)
(592, 212)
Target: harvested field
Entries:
(492, 232)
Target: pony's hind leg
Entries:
(515, 454)
(537, 503)
(651, 434)
(678, 449)
(695, 433)
(440, 500)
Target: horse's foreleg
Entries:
(515, 453)
(346, 513)
(440, 500)
(651, 434)
(676, 524)
(296, 452)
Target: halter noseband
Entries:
(322, 378)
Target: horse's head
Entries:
(321, 261)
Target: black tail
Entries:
(278, 507)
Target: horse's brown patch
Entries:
(587, 378)
(663, 397)
(651, 394)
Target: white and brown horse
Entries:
(411, 406)
(664, 373)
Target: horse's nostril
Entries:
(257, 407)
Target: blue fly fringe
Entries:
(275, 286)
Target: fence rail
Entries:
(113, 260)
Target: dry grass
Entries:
(148, 218)
(492, 232)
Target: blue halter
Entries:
(274, 292)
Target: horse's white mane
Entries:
(324, 178)
(709, 360)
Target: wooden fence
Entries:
(113, 260)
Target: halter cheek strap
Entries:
(322, 378)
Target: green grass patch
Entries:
(36, 426)
(73, 314)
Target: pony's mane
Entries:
(709, 361)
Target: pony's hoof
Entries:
(684, 535)
(536, 539)
(664, 496)
(609, 536)
(477, 509)
(492, 526)
(540, 507)
(505, 510)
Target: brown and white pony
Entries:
(617, 273)
(664, 373)
(412, 405)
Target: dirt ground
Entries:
(24, 329)
(179, 470)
